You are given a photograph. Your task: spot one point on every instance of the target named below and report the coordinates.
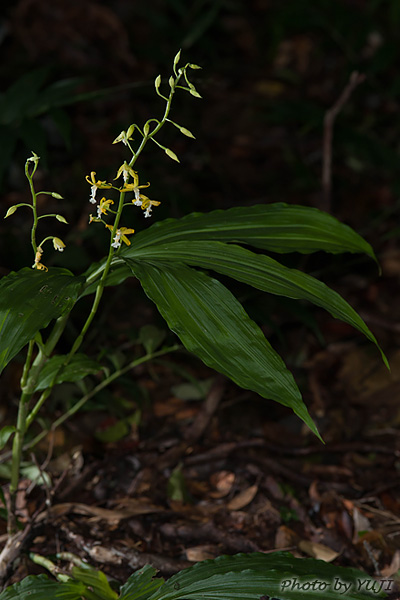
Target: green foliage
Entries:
(213, 325)
(275, 227)
(29, 300)
(79, 367)
(169, 259)
(261, 272)
(241, 577)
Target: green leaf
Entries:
(114, 433)
(196, 390)
(261, 272)
(177, 489)
(96, 581)
(5, 434)
(141, 585)
(213, 325)
(117, 274)
(29, 300)
(276, 227)
(257, 575)
(40, 587)
(151, 337)
(79, 366)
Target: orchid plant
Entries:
(172, 260)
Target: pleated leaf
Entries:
(257, 575)
(29, 300)
(276, 227)
(259, 271)
(213, 325)
(41, 588)
(141, 584)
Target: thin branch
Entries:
(330, 116)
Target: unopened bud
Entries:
(171, 82)
(61, 219)
(194, 93)
(130, 131)
(171, 154)
(58, 196)
(192, 66)
(157, 82)
(186, 132)
(11, 211)
(177, 58)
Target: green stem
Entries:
(16, 461)
(46, 563)
(34, 208)
(78, 405)
(29, 380)
(27, 364)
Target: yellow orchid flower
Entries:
(103, 207)
(121, 234)
(95, 185)
(135, 187)
(125, 170)
(37, 264)
(146, 205)
(58, 244)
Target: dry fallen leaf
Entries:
(243, 498)
(222, 481)
(204, 552)
(318, 550)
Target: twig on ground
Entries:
(202, 420)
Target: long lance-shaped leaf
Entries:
(213, 325)
(277, 575)
(259, 271)
(276, 227)
(29, 300)
(39, 587)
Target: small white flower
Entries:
(117, 240)
(138, 202)
(147, 212)
(93, 191)
(58, 244)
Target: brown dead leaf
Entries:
(318, 550)
(285, 538)
(360, 523)
(97, 512)
(394, 566)
(223, 482)
(243, 498)
(104, 555)
(199, 553)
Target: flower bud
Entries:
(58, 196)
(192, 66)
(61, 219)
(171, 154)
(130, 131)
(157, 82)
(177, 58)
(11, 211)
(171, 82)
(194, 92)
(186, 132)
